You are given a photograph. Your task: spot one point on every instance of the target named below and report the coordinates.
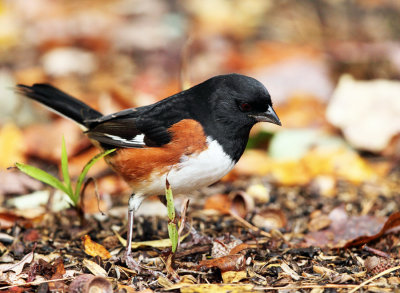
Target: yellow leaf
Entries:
(94, 268)
(94, 249)
(152, 243)
(11, 145)
(218, 288)
(233, 276)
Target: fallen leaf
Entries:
(270, 219)
(218, 288)
(353, 109)
(319, 222)
(19, 266)
(392, 222)
(31, 235)
(59, 271)
(303, 111)
(87, 283)
(288, 270)
(184, 281)
(94, 268)
(235, 262)
(332, 276)
(49, 148)
(229, 277)
(11, 145)
(17, 182)
(8, 220)
(240, 247)
(343, 228)
(223, 246)
(219, 202)
(94, 249)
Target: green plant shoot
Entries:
(172, 230)
(65, 186)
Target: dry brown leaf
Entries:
(50, 148)
(235, 262)
(342, 228)
(59, 271)
(391, 223)
(319, 222)
(8, 220)
(87, 283)
(219, 202)
(94, 249)
(270, 219)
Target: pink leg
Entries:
(134, 203)
(129, 233)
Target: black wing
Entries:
(126, 129)
(140, 127)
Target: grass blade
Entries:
(85, 171)
(170, 201)
(173, 235)
(64, 168)
(42, 176)
(172, 230)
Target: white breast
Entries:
(194, 171)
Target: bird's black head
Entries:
(240, 100)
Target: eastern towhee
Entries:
(192, 138)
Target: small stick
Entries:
(376, 251)
(374, 277)
(250, 226)
(184, 208)
(34, 283)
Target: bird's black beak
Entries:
(268, 116)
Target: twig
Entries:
(376, 251)
(309, 286)
(96, 192)
(184, 208)
(250, 226)
(375, 277)
(34, 283)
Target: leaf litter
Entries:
(322, 216)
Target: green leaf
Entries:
(64, 168)
(173, 235)
(170, 201)
(85, 171)
(42, 176)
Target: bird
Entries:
(192, 138)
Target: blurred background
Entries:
(332, 68)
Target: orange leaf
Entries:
(94, 249)
(232, 262)
(219, 202)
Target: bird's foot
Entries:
(135, 266)
(131, 263)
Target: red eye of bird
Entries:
(245, 107)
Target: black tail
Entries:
(60, 102)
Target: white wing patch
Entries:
(138, 140)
